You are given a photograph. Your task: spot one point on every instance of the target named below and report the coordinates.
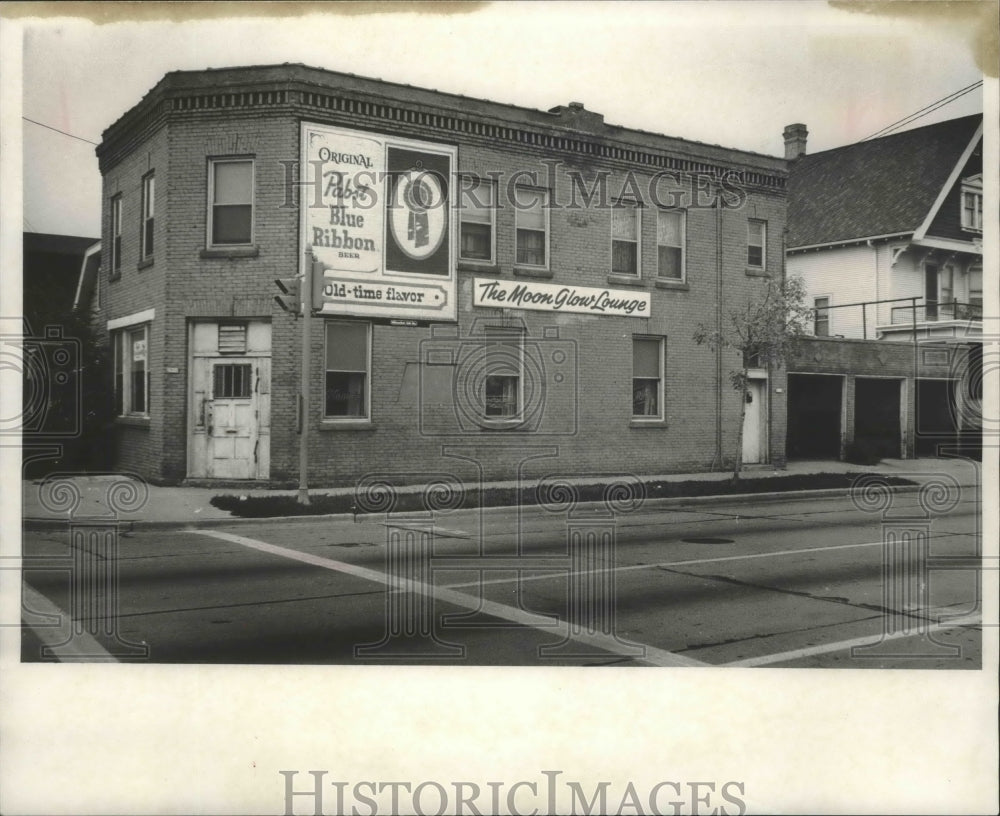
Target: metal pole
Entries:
(916, 374)
(864, 321)
(306, 289)
(718, 329)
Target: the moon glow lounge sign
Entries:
(376, 214)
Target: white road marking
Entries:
(81, 646)
(656, 565)
(826, 648)
(652, 656)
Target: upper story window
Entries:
(230, 195)
(148, 212)
(131, 371)
(532, 223)
(972, 203)
(625, 238)
(821, 316)
(756, 243)
(976, 287)
(116, 236)
(670, 239)
(477, 219)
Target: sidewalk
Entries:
(190, 506)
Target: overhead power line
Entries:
(940, 103)
(63, 132)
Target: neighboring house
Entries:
(59, 370)
(889, 219)
(88, 297)
(887, 235)
(51, 273)
(517, 284)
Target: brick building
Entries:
(503, 290)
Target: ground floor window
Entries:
(647, 377)
(502, 365)
(348, 363)
(131, 371)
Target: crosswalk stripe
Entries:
(843, 645)
(651, 656)
(81, 646)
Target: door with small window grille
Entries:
(230, 428)
(231, 422)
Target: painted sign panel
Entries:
(376, 216)
(547, 297)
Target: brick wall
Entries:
(140, 286)
(586, 418)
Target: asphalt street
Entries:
(812, 582)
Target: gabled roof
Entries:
(87, 282)
(883, 186)
(57, 244)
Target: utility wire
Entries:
(940, 103)
(63, 132)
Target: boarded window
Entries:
(232, 338)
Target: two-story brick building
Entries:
(502, 290)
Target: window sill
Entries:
(229, 252)
(757, 273)
(675, 285)
(532, 272)
(133, 421)
(625, 280)
(347, 425)
(144, 264)
(115, 276)
(501, 424)
(479, 266)
(652, 422)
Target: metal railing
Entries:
(915, 311)
(934, 311)
(824, 312)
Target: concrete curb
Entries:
(43, 524)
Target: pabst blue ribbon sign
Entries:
(378, 220)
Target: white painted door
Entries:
(754, 428)
(226, 435)
(230, 400)
(232, 424)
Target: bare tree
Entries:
(760, 330)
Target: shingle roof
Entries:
(879, 187)
(57, 244)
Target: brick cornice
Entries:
(314, 94)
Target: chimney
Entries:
(795, 141)
(576, 115)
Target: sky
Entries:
(725, 73)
